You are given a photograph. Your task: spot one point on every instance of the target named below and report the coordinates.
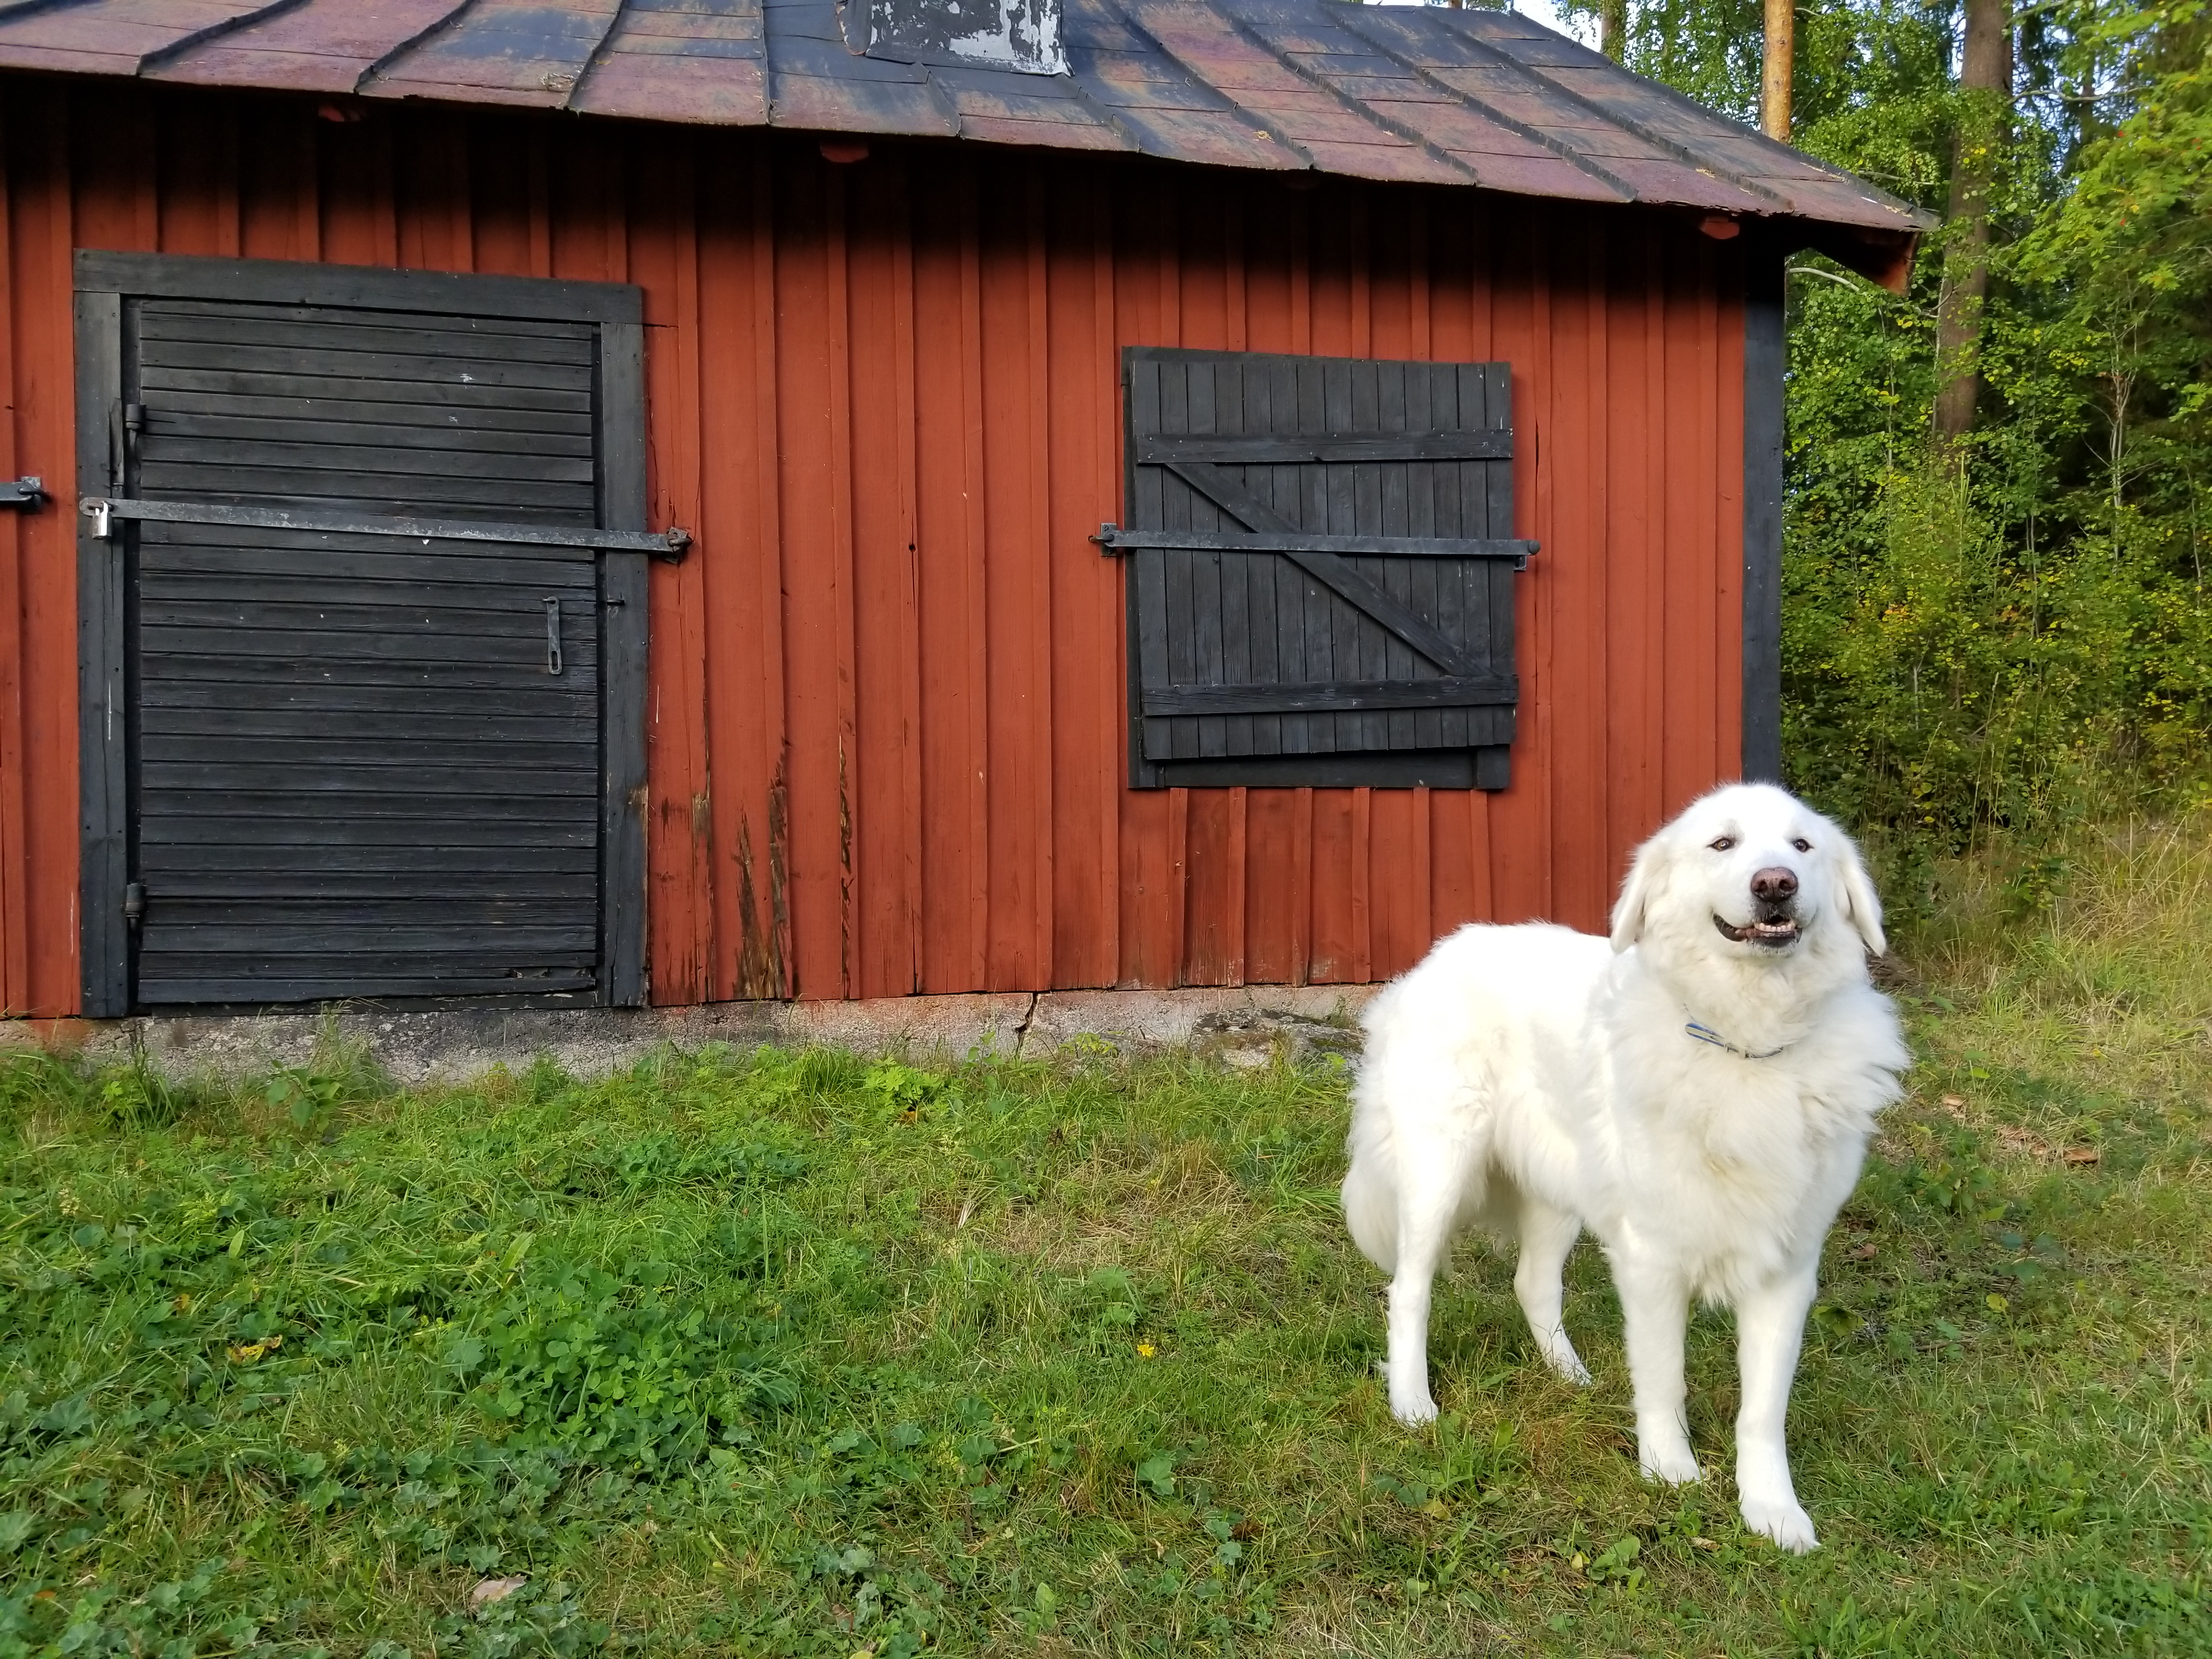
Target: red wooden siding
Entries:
(888, 733)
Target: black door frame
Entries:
(104, 281)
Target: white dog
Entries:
(1699, 1095)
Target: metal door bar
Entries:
(670, 544)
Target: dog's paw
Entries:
(1783, 1520)
(1413, 1410)
(1670, 1466)
(1569, 1364)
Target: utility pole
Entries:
(1775, 58)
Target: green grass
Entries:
(802, 1354)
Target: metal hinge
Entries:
(134, 902)
(25, 492)
(670, 544)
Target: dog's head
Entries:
(1755, 873)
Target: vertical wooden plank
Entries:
(1037, 725)
(103, 709)
(435, 229)
(664, 259)
(1636, 488)
(1088, 607)
(974, 556)
(358, 223)
(813, 355)
(941, 584)
(1399, 879)
(111, 179)
(1520, 817)
(1577, 556)
(1692, 528)
(1153, 822)
(1274, 894)
(1210, 944)
(280, 214)
(38, 120)
(887, 795)
(499, 195)
(198, 161)
(740, 563)
(624, 668)
(1758, 414)
(16, 541)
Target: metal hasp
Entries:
(27, 491)
(668, 545)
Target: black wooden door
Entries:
(1320, 555)
(359, 764)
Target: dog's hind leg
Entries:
(1546, 1236)
(1425, 1219)
(1432, 1195)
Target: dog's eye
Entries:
(1802, 845)
(1722, 843)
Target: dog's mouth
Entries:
(1772, 932)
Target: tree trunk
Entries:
(1986, 77)
(1776, 53)
(1612, 28)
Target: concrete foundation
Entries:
(1245, 1026)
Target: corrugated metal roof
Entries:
(1400, 94)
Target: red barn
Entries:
(619, 500)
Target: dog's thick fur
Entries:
(1534, 1081)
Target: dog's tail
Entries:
(1370, 1195)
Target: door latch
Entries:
(553, 636)
(25, 492)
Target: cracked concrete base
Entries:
(1245, 1026)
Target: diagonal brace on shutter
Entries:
(1329, 569)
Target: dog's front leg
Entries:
(1655, 1309)
(1770, 1327)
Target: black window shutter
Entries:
(1320, 558)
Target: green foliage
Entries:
(810, 1355)
(2016, 635)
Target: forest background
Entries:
(1996, 622)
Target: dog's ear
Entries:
(1644, 876)
(1861, 902)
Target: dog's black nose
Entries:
(1774, 883)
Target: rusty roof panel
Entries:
(117, 37)
(713, 91)
(1412, 93)
(501, 51)
(681, 60)
(324, 46)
